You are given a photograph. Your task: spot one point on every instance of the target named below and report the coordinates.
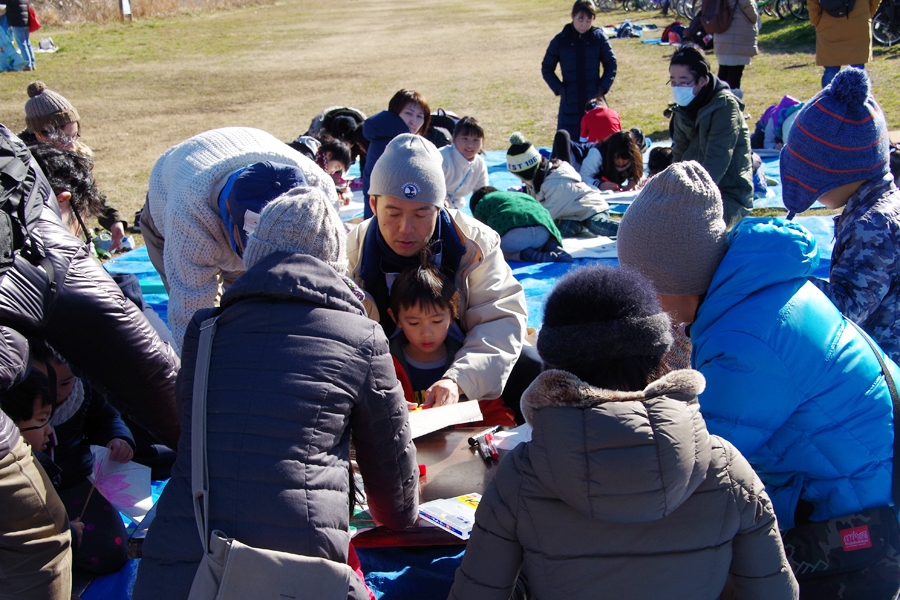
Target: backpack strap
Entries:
(199, 465)
(895, 401)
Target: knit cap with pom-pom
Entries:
(839, 137)
(45, 108)
(522, 155)
(301, 221)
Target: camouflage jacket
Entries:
(864, 279)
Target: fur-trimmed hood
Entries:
(618, 456)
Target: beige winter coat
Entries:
(567, 197)
(492, 309)
(846, 41)
(736, 45)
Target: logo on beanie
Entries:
(410, 190)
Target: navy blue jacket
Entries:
(296, 366)
(379, 129)
(580, 57)
(95, 422)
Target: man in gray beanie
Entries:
(789, 381)
(407, 194)
(296, 369)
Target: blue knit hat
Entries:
(839, 137)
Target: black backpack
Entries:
(837, 8)
(21, 202)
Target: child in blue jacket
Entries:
(839, 154)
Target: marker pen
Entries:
(473, 441)
(489, 440)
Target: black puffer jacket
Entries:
(82, 313)
(16, 12)
(296, 366)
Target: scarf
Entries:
(66, 409)
(445, 246)
(712, 87)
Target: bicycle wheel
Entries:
(886, 30)
(798, 9)
(782, 9)
(692, 8)
(768, 7)
(604, 5)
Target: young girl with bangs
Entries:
(614, 164)
(407, 112)
(464, 168)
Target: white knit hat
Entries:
(410, 169)
(301, 221)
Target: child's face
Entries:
(425, 327)
(582, 22)
(65, 379)
(414, 117)
(36, 430)
(333, 166)
(468, 145)
(622, 163)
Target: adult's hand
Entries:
(442, 392)
(117, 234)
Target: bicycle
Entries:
(886, 23)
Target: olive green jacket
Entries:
(719, 140)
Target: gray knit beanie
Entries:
(302, 221)
(45, 108)
(674, 233)
(410, 169)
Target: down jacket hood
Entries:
(618, 456)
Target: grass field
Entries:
(142, 87)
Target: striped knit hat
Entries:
(522, 155)
(839, 137)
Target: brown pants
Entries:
(35, 542)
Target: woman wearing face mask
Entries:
(708, 126)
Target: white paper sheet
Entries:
(432, 419)
(598, 247)
(509, 439)
(125, 486)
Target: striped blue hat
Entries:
(839, 137)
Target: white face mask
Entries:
(683, 95)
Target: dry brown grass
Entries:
(68, 12)
(143, 87)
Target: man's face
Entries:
(406, 226)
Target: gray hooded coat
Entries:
(615, 497)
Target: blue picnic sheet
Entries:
(422, 573)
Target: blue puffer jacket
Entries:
(296, 366)
(789, 381)
(580, 57)
(379, 129)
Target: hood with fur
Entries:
(618, 456)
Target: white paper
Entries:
(125, 486)
(509, 439)
(598, 247)
(431, 419)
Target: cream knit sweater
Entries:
(461, 176)
(197, 247)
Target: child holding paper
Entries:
(424, 304)
(82, 418)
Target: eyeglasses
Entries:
(690, 83)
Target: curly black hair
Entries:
(69, 171)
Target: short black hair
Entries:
(693, 59)
(585, 7)
(339, 151)
(659, 160)
(424, 284)
(18, 401)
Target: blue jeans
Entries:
(20, 34)
(830, 72)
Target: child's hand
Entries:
(119, 451)
(441, 393)
(411, 406)
(609, 185)
(78, 529)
